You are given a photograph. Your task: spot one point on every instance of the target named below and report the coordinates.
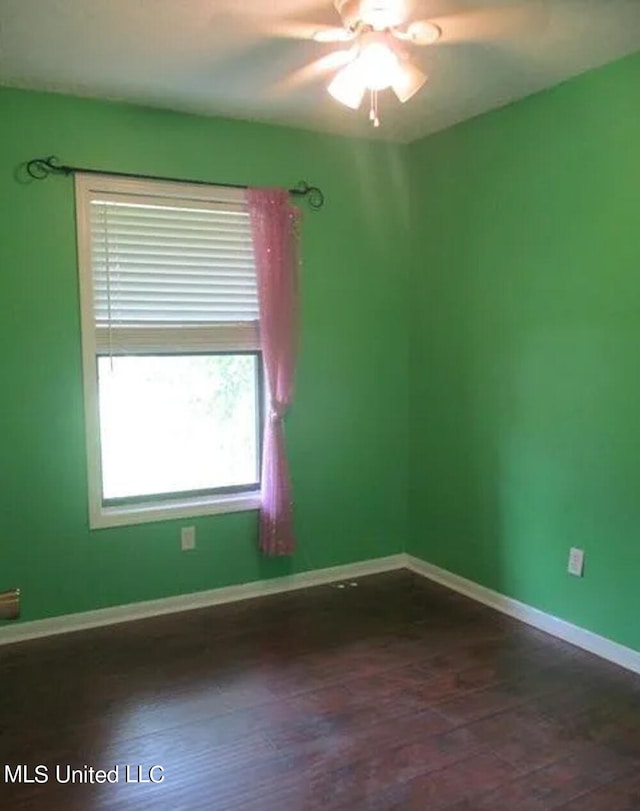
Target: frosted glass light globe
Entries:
(378, 66)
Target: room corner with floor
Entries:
(320, 406)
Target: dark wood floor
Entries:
(394, 694)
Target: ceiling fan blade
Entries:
(495, 23)
(260, 9)
(326, 34)
(315, 70)
(420, 32)
(287, 29)
(311, 31)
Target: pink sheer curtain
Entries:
(274, 223)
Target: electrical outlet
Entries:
(576, 562)
(188, 538)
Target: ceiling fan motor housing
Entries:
(379, 14)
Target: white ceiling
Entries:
(250, 59)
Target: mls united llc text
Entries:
(85, 774)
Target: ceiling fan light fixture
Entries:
(380, 59)
(378, 65)
(408, 80)
(381, 14)
(347, 86)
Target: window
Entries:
(171, 351)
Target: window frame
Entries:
(103, 515)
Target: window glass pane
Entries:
(177, 423)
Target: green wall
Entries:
(348, 428)
(468, 386)
(525, 350)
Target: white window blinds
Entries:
(171, 273)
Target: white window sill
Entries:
(124, 515)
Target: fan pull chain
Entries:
(373, 111)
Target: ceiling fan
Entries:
(381, 32)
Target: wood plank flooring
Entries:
(392, 694)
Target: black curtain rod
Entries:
(41, 168)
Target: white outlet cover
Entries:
(188, 538)
(576, 562)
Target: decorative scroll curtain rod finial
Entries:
(41, 168)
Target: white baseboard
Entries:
(599, 645)
(67, 623)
